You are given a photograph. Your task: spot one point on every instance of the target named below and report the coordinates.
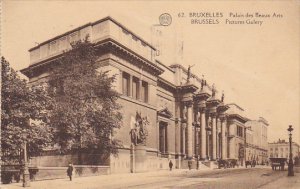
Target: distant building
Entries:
(281, 149)
(257, 140)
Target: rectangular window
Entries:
(125, 84)
(239, 131)
(135, 88)
(144, 92)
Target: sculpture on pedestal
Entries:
(213, 91)
(202, 82)
(222, 98)
(139, 132)
(189, 74)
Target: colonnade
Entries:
(203, 128)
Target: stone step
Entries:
(210, 164)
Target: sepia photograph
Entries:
(150, 94)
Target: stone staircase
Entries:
(202, 164)
(208, 164)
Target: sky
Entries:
(257, 65)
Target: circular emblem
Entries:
(165, 19)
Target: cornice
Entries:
(238, 118)
(103, 43)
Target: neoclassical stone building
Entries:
(281, 149)
(188, 118)
(257, 140)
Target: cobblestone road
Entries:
(240, 178)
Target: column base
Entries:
(26, 180)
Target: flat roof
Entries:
(91, 24)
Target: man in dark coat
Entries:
(170, 165)
(70, 171)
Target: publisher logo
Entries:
(165, 19)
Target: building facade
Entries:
(188, 118)
(257, 144)
(281, 149)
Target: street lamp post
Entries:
(290, 166)
(26, 175)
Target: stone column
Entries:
(193, 139)
(203, 134)
(189, 130)
(218, 137)
(183, 127)
(177, 137)
(232, 149)
(214, 137)
(224, 141)
(157, 136)
(197, 141)
(168, 134)
(208, 136)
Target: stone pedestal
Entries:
(140, 159)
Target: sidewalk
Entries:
(113, 180)
(106, 181)
(292, 182)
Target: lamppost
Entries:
(26, 175)
(290, 166)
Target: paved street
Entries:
(242, 178)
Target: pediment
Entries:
(165, 112)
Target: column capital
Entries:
(196, 124)
(212, 111)
(177, 120)
(222, 118)
(188, 103)
(213, 114)
(183, 125)
(202, 110)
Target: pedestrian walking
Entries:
(70, 171)
(170, 165)
(190, 165)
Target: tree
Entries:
(23, 116)
(85, 113)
